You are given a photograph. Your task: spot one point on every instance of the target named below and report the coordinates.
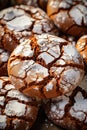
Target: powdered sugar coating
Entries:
(70, 16)
(20, 22)
(4, 55)
(78, 13)
(58, 109)
(69, 111)
(17, 111)
(3, 121)
(79, 108)
(11, 111)
(55, 67)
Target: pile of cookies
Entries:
(43, 61)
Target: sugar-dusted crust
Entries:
(16, 110)
(4, 55)
(70, 16)
(19, 22)
(45, 66)
(69, 111)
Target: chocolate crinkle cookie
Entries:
(19, 22)
(70, 16)
(45, 66)
(69, 111)
(17, 112)
(4, 56)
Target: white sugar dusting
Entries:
(37, 72)
(58, 108)
(70, 50)
(9, 86)
(57, 71)
(79, 108)
(60, 62)
(37, 28)
(1, 84)
(54, 51)
(54, 4)
(20, 23)
(46, 57)
(3, 122)
(17, 94)
(64, 5)
(72, 76)
(49, 87)
(2, 100)
(18, 50)
(14, 108)
(27, 51)
(4, 57)
(57, 39)
(76, 14)
(70, 53)
(70, 79)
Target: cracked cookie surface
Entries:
(69, 16)
(69, 111)
(17, 111)
(4, 55)
(19, 22)
(45, 66)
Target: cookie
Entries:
(19, 22)
(81, 46)
(4, 55)
(17, 111)
(69, 111)
(69, 16)
(45, 66)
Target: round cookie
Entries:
(45, 66)
(81, 46)
(4, 55)
(70, 16)
(17, 111)
(69, 111)
(19, 22)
